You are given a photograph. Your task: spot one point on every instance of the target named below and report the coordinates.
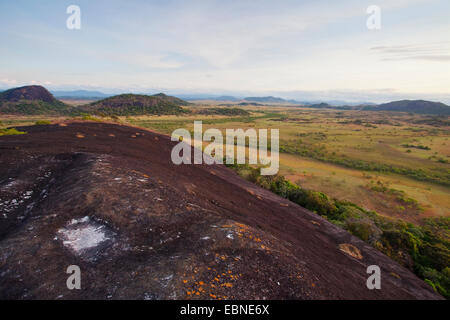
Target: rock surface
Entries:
(107, 198)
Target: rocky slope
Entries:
(108, 199)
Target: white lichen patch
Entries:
(27, 195)
(10, 184)
(81, 220)
(165, 280)
(10, 205)
(19, 198)
(83, 235)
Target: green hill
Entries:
(414, 106)
(136, 104)
(31, 100)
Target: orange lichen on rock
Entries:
(351, 250)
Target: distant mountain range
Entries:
(97, 95)
(269, 99)
(414, 106)
(264, 100)
(227, 98)
(80, 94)
(272, 100)
(38, 100)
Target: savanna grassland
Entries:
(396, 164)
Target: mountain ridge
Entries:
(80, 94)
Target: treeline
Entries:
(223, 111)
(36, 108)
(425, 250)
(416, 147)
(440, 176)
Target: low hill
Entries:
(226, 98)
(136, 104)
(255, 104)
(109, 199)
(414, 106)
(269, 99)
(27, 93)
(171, 99)
(31, 100)
(321, 105)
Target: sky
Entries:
(320, 49)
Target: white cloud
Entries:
(144, 60)
(240, 45)
(437, 51)
(8, 82)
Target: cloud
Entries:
(46, 83)
(145, 61)
(438, 51)
(8, 82)
(225, 35)
(232, 45)
(444, 58)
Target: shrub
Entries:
(88, 117)
(42, 122)
(10, 132)
(425, 250)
